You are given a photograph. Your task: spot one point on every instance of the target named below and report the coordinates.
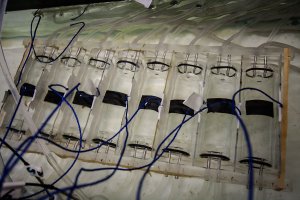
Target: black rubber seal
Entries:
(185, 65)
(152, 102)
(115, 98)
(77, 62)
(220, 105)
(27, 90)
(140, 146)
(259, 107)
(52, 97)
(83, 99)
(257, 161)
(43, 58)
(215, 70)
(177, 151)
(259, 69)
(97, 141)
(16, 130)
(70, 137)
(177, 106)
(165, 68)
(46, 135)
(101, 61)
(214, 155)
(129, 62)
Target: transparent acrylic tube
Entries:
(30, 78)
(149, 98)
(259, 112)
(109, 118)
(59, 74)
(188, 79)
(93, 73)
(218, 126)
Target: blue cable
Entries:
(119, 160)
(250, 156)
(248, 141)
(70, 42)
(91, 149)
(122, 151)
(138, 196)
(11, 162)
(31, 45)
(84, 10)
(127, 169)
(80, 137)
(136, 168)
(79, 128)
(33, 36)
(140, 185)
(11, 120)
(251, 175)
(124, 169)
(141, 182)
(258, 90)
(104, 142)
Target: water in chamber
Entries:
(109, 119)
(59, 74)
(189, 77)
(27, 86)
(259, 112)
(92, 74)
(218, 126)
(150, 98)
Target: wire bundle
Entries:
(26, 144)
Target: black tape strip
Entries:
(177, 106)
(220, 105)
(152, 102)
(83, 99)
(51, 97)
(259, 107)
(115, 98)
(27, 90)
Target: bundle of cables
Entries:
(159, 151)
(156, 156)
(23, 90)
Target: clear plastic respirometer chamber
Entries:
(156, 97)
